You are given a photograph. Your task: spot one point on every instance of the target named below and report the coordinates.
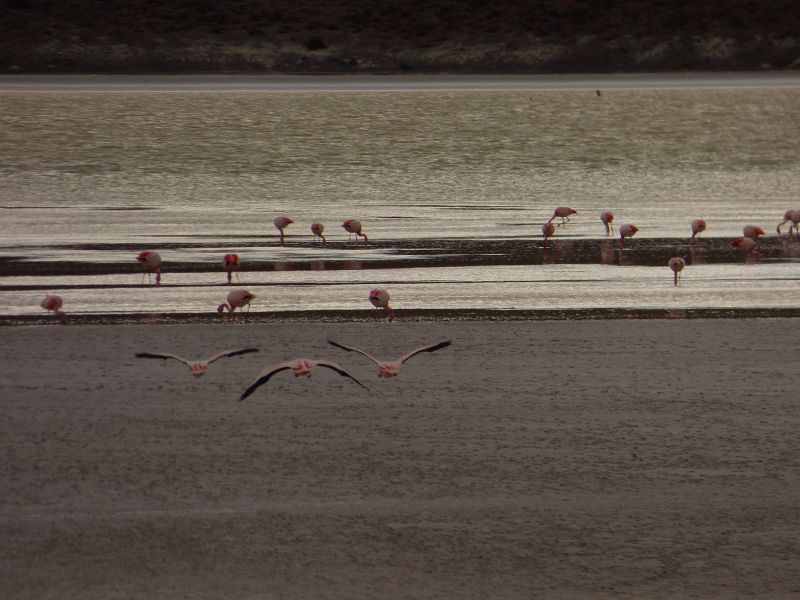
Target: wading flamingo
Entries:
(698, 227)
(793, 217)
(236, 299)
(317, 229)
(391, 368)
(299, 366)
(607, 217)
(752, 232)
(548, 229)
(353, 226)
(151, 263)
(230, 262)
(746, 246)
(627, 231)
(54, 302)
(380, 299)
(282, 223)
(563, 212)
(197, 367)
(676, 264)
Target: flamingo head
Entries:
(388, 369)
(302, 368)
(198, 369)
(221, 308)
(548, 229)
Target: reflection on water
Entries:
(453, 186)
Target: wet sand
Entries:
(624, 458)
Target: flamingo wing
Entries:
(349, 349)
(339, 370)
(428, 348)
(265, 376)
(227, 353)
(163, 357)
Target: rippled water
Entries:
(92, 175)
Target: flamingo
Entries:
(317, 229)
(548, 229)
(354, 226)
(236, 299)
(197, 367)
(752, 232)
(698, 227)
(627, 231)
(230, 262)
(607, 217)
(380, 299)
(676, 264)
(792, 216)
(54, 303)
(282, 223)
(151, 263)
(299, 366)
(391, 368)
(746, 245)
(563, 212)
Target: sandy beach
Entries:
(622, 458)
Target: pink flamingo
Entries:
(197, 367)
(300, 367)
(391, 368)
(548, 229)
(317, 229)
(698, 227)
(54, 303)
(353, 226)
(230, 262)
(627, 231)
(236, 299)
(792, 216)
(746, 245)
(752, 232)
(607, 217)
(563, 212)
(151, 263)
(282, 223)
(676, 264)
(380, 299)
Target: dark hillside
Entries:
(459, 36)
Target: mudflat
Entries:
(624, 458)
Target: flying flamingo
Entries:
(607, 217)
(230, 262)
(197, 367)
(752, 232)
(380, 299)
(282, 223)
(354, 226)
(548, 229)
(236, 299)
(151, 263)
(317, 229)
(698, 227)
(563, 212)
(792, 216)
(627, 231)
(54, 303)
(299, 366)
(391, 368)
(676, 264)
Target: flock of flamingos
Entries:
(151, 260)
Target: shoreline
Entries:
(406, 315)
(390, 80)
